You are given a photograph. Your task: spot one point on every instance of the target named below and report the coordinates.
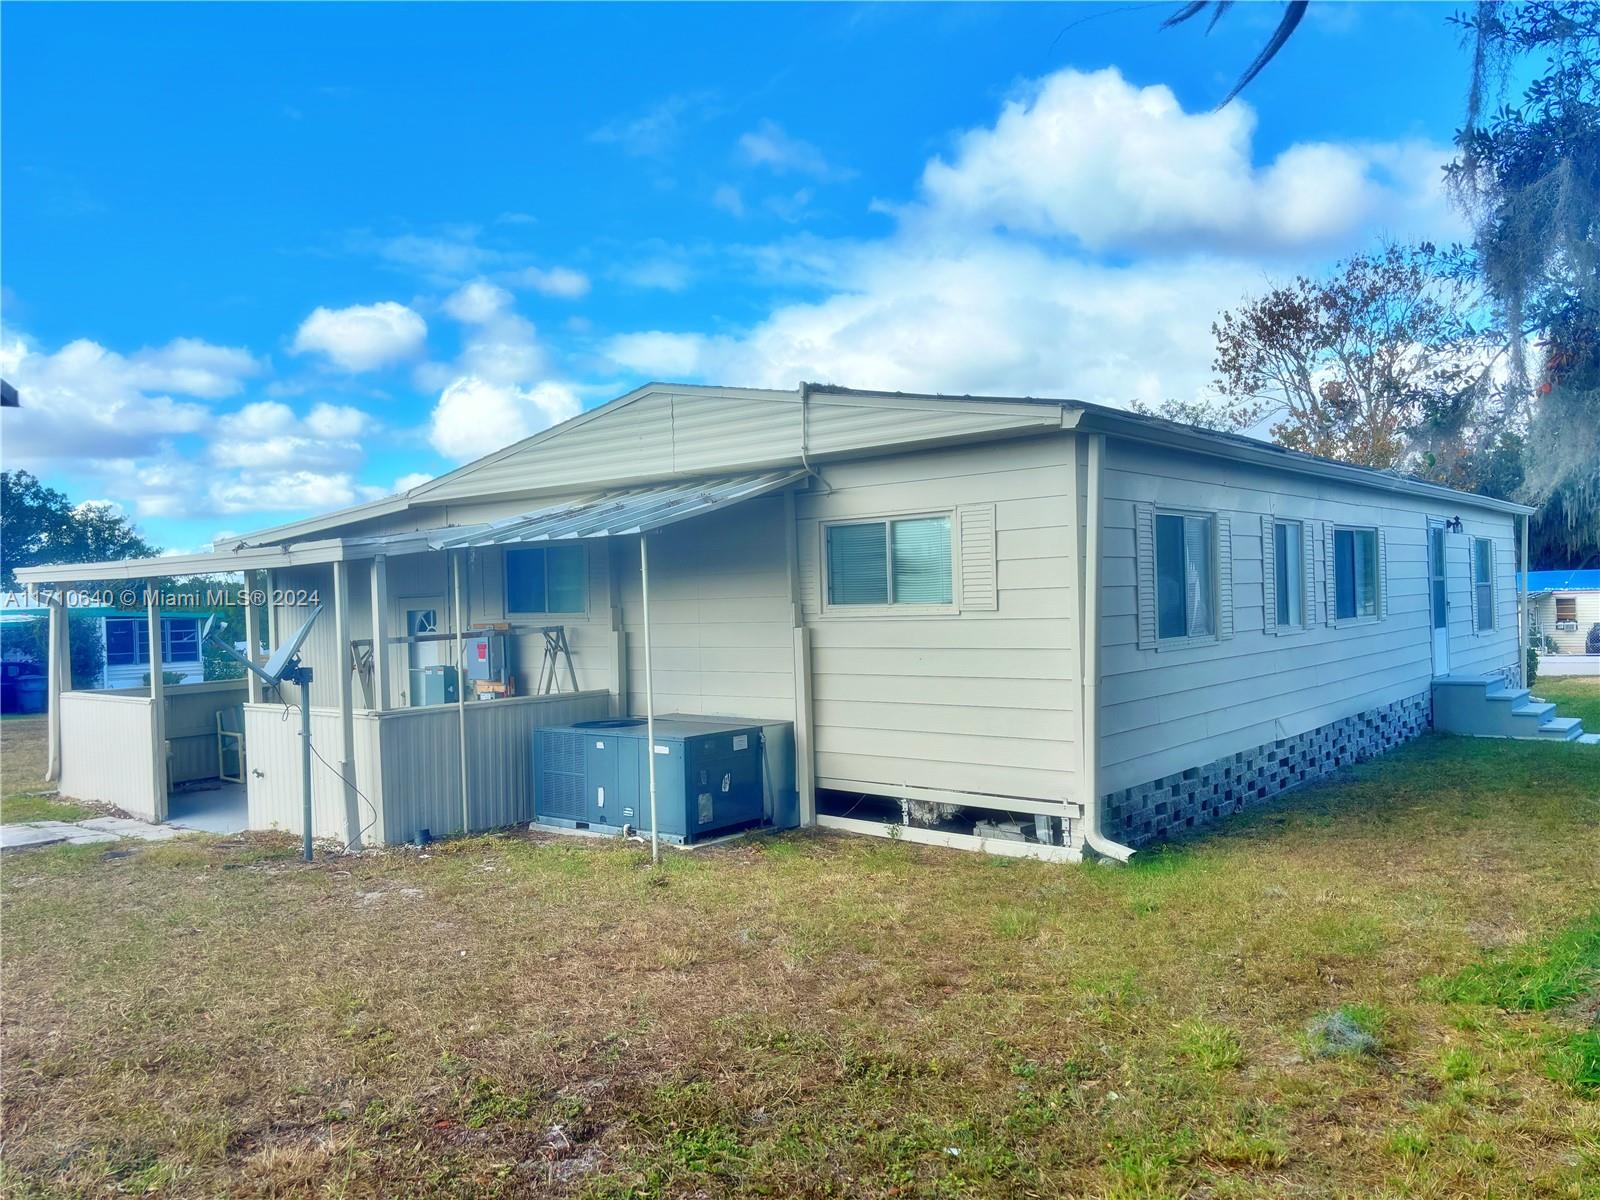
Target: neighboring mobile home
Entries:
(986, 619)
(1565, 609)
(124, 640)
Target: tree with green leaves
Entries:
(1360, 365)
(1528, 176)
(40, 524)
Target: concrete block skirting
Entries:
(1201, 795)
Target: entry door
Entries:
(1438, 600)
(424, 614)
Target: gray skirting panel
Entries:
(1200, 796)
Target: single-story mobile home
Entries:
(1033, 626)
(124, 641)
(1565, 612)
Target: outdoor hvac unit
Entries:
(713, 775)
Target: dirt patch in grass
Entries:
(818, 1016)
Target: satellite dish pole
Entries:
(283, 667)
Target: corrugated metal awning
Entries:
(615, 514)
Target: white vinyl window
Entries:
(1186, 587)
(1289, 573)
(1355, 572)
(1483, 584)
(903, 561)
(128, 641)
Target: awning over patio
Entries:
(614, 514)
(609, 514)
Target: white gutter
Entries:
(1089, 660)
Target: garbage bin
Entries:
(31, 692)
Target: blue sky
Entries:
(265, 261)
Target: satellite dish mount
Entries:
(283, 667)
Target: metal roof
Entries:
(614, 514)
(1563, 581)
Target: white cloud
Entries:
(450, 254)
(728, 199)
(192, 367)
(655, 131)
(475, 415)
(337, 421)
(1093, 158)
(415, 479)
(993, 317)
(659, 274)
(476, 302)
(1012, 273)
(770, 146)
(267, 436)
(290, 491)
(362, 337)
(86, 402)
(661, 355)
(560, 282)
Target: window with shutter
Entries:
(1285, 573)
(1186, 570)
(1355, 574)
(1483, 584)
(904, 561)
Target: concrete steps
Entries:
(1483, 706)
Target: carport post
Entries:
(252, 638)
(59, 649)
(158, 704)
(649, 696)
(458, 623)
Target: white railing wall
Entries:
(421, 763)
(272, 773)
(408, 766)
(108, 751)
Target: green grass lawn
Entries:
(1573, 698)
(22, 767)
(1382, 987)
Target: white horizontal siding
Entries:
(721, 617)
(1166, 710)
(980, 700)
(669, 432)
(1543, 608)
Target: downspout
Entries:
(1093, 836)
(805, 410)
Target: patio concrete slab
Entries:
(130, 827)
(219, 810)
(25, 837)
(29, 834)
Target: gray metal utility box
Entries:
(714, 775)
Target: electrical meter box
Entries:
(486, 657)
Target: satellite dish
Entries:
(282, 662)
